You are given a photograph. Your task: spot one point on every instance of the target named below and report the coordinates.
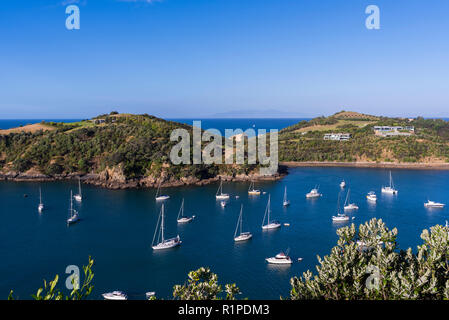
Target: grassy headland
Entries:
(304, 144)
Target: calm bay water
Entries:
(117, 229)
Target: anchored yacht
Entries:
(390, 189)
(270, 224)
(432, 204)
(115, 295)
(161, 242)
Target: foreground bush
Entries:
(374, 269)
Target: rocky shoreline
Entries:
(384, 165)
(108, 181)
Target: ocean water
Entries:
(243, 123)
(117, 228)
(220, 124)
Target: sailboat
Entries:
(41, 205)
(390, 189)
(270, 224)
(220, 195)
(181, 217)
(78, 197)
(340, 217)
(243, 236)
(348, 205)
(286, 202)
(73, 214)
(163, 243)
(160, 197)
(252, 191)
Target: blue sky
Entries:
(209, 58)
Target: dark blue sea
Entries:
(220, 124)
(117, 229)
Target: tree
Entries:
(50, 292)
(365, 265)
(203, 285)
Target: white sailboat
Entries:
(40, 207)
(220, 195)
(390, 189)
(79, 197)
(270, 224)
(243, 236)
(160, 197)
(159, 236)
(252, 191)
(286, 202)
(73, 214)
(280, 258)
(314, 193)
(181, 218)
(433, 204)
(348, 205)
(340, 217)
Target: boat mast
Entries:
(239, 222)
(181, 210)
(40, 195)
(285, 194)
(79, 185)
(347, 197)
(162, 224)
(269, 208)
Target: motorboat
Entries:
(115, 295)
(314, 193)
(280, 258)
(371, 196)
(433, 204)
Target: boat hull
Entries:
(222, 196)
(185, 220)
(279, 261)
(168, 244)
(78, 198)
(243, 237)
(162, 198)
(271, 226)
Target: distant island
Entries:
(354, 139)
(126, 151)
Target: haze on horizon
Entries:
(223, 58)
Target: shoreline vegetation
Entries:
(120, 151)
(367, 164)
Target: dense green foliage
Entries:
(431, 140)
(79, 292)
(376, 269)
(139, 145)
(203, 285)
